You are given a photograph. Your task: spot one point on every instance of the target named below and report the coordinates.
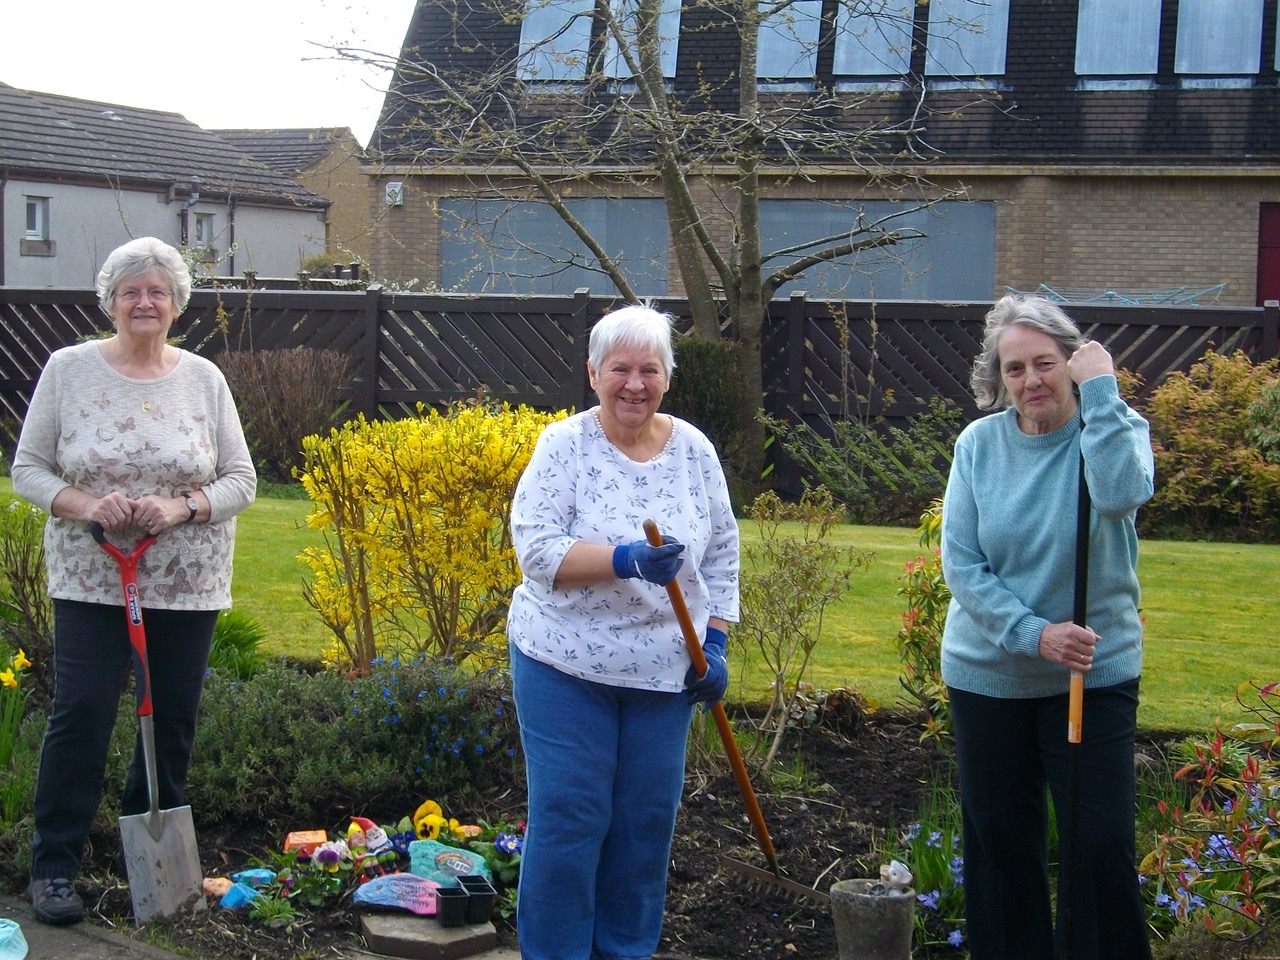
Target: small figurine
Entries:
(372, 853)
(895, 880)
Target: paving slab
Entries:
(422, 938)
(77, 941)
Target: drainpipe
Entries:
(4, 183)
(185, 216)
(231, 235)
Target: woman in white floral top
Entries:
(137, 435)
(603, 685)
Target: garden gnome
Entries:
(371, 849)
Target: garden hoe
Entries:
(764, 881)
(159, 846)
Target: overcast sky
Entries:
(227, 64)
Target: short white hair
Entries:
(137, 258)
(636, 324)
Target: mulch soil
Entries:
(849, 780)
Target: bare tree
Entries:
(708, 148)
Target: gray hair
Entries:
(137, 258)
(635, 325)
(1015, 310)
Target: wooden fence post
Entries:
(581, 389)
(797, 310)
(365, 381)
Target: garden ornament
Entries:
(895, 880)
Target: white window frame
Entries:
(967, 39)
(36, 228)
(787, 44)
(1118, 38)
(555, 41)
(873, 44)
(615, 64)
(1219, 38)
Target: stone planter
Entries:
(872, 926)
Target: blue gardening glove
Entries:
(710, 689)
(638, 560)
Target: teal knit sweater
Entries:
(1008, 545)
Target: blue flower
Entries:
(509, 843)
(955, 937)
(929, 900)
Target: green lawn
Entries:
(1211, 612)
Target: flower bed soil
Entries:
(852, 782)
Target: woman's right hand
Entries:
(114, 511)
(1068, 644)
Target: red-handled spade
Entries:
(160, 851)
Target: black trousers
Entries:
(1009, 751)
(92, 659)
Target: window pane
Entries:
(523, 247)
(554, 38)
(956, 260)
(789, 42)
(1219, 37)
(1118, 37)
(668, 32)
(37, 227)
(876, 43)
(967, 38)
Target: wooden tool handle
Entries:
(694, 646)
(1075, 707)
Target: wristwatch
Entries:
(192, 504)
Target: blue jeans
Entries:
(92, 660)
(605, 768)
(1009, 751)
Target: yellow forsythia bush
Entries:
(416, 515)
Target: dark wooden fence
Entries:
(821, 359)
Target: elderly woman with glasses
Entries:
(141, 437)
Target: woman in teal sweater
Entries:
(1009, 646)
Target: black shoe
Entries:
(56, 901)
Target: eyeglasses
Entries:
(155, 295)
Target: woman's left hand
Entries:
(1091, 360)
(1068, 644)
(155, 514)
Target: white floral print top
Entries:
(579, 486)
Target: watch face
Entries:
(193, 504)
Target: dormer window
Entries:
(1219, 42)
(787, 54)
(873, 48)
(1117, 41)
(624, 12)
(968, 40)
(555, 39)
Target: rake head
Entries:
(773, 886)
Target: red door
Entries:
(1268, 252)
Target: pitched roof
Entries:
(1036, 112)
(65, 138)
(288, 151)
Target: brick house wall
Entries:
(1126, 189)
